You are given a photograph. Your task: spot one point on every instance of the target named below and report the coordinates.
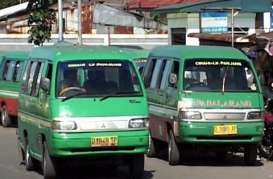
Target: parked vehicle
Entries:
(81, 103)
(140, 58)
(204, 96)
(12, 65)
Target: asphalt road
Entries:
(195, 166)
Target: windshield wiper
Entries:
(74, 95)
(118, 93)
(224, 81)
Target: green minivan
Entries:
(80, 102)
(205, 97)
(11, 69)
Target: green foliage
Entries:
(40, 21)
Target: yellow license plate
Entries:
(225, 130)
(104, 141)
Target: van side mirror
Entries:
(45, 84)
(173, 79)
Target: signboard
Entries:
(214, 22)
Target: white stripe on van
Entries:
(9, 93)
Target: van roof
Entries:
(60, 52)
(198, 52)
(16, 54)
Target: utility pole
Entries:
(60, 18)
(232, 27)
(80, 22)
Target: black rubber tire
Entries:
(250, 154)
(48, 165)
(152, 148)
(266, 150)
(5, 118)
(29, 161)
(173, 150)
(136, 167)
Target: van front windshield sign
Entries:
(219, 75)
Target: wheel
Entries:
(152, 148)
(21, 154)
(266, 146)
(250, 154)
(29, 161)
(136, 167)
(173, 150)
(5, 119)
(48, 166)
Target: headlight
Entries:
(64, 125)
(255, 115)
(138, 123)
(190, 115)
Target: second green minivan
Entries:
(81, 102)
(205, 96)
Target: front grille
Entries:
(224, 116)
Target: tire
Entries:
(136, 167)
(21, 154)
(48, 165)
(250, 154)
(173, 150)
(152, 148)
(5, 118)
(29, 161)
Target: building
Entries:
(213, 17)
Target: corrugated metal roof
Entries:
(152, 4)
(242, 5)
(13, 9)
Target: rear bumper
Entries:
(79, 144)
(11, 105)
(202, 132)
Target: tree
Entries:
(40, 22)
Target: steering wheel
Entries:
(71, 88)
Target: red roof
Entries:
(151, 4)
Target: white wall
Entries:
(267, 22)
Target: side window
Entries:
(36, 79)
(156, 74)
(30, 79)
(17, 71)
(49, 73)
(174, 75)
(9, 70)
(149, 72)
(165, 75)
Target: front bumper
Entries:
(202, 132)
(79, 144)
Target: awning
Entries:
(13, 10)
(242, 5)
(114, 17)
(223, 37)
(152, 4)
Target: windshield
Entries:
(219, 75)
(97, 78)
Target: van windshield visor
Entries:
(97, 79)
(219, 75)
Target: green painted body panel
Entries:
(219, 100)
(37, 113)
(116, 106)
(200, 132)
